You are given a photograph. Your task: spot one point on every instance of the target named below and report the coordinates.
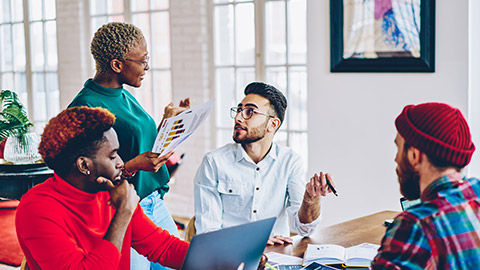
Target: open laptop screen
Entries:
(227, 248)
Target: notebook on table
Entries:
(228, 248)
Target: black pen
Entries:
(330, 185)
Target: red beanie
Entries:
(439, 130)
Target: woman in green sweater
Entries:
(121, 57)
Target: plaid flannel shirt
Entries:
(442, 232)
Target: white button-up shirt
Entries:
(230, 189)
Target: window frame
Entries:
(29, 72)
(260, 66)
(159, 101)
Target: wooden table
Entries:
(349, 233)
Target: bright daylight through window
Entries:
(262, 41)
(28, 34)
(153, 18)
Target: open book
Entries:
(356, 256)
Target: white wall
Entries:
(474, 83)
(73, 49)
(190, 77)
(351, 115)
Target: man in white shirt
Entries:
(255, 178)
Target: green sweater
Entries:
(136, 131)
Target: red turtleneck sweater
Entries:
(61, 227)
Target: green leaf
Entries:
(13, 116)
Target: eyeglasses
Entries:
(145, 63)
(246, 113)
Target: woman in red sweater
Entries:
(87, 215)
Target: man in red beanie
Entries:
(443, 231)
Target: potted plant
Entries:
(15, 125)
(13, 117)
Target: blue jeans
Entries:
(155, 208)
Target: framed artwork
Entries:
(382, 35)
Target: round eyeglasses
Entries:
(144, 62)
(246, 113)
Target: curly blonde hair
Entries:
(113, 41)
(74, 132)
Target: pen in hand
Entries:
(330, 185)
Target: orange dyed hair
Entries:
(73, 132)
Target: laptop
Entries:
(227, 248)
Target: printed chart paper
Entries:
(175, 130)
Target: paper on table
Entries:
(276, 258)
(175, 130)
(358, 256)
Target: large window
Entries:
(28, 35)
(152, 17)
(261, 40)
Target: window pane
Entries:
(281, 138)
(245, 34)
(140, 5)
(6, 11)
(115, 6)
(6, 47)
(230, 1)
(162, 92)
(142, 21)
(160, 4)
(35, 12)
(50, 13)
(38, 87)
(224, 35)
(275, 49)
(225, 95)
(297, 98)
(297, 32)
(98, 7)
(38, 55)
(19, 48)
(96, 23)
(224, 136)
(103, 7)
(161, 40)
(53, 95)
(21, 84)
(298, 142)
(244, 77)
(17, 10)
(39, 126)
(277, 76)
(7, 81)
(116, 18)
(21, 88)
(144, 93)
(51, 38)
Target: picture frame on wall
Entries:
(382, 35)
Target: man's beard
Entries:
(254, 134)
(408, 179)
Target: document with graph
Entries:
(174, 130)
